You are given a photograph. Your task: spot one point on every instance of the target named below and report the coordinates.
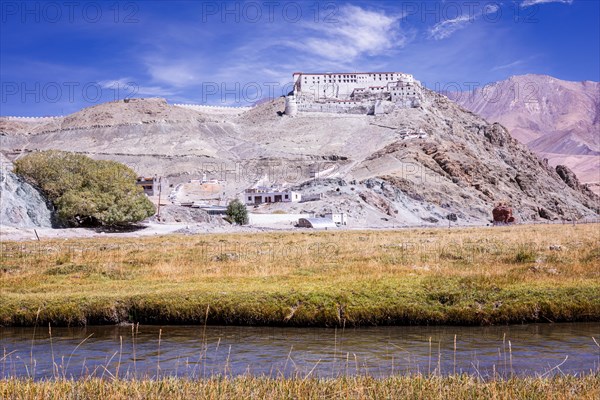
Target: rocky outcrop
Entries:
(22, 205)
(378, 202)
(568, 176)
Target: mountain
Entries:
(558, 120)
(414, 166)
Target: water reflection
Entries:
(196, 351)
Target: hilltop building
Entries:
(353, 93)
(341, 86)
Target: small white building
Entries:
(262, 195)
(337, 218)
(151, 185)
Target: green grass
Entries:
(467, 276)
(402, 387)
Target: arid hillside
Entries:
(559, 120)
(416, 166)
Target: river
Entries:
(197, 351)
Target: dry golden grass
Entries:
(408, 387)
(459, 276)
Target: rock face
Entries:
(568, 177)
(412, 167)
(22, 205)
(558, 120)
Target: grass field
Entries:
(415, 387)
(467, 276)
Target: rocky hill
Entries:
(558, 120)
(417, 166)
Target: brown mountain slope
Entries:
(558, 120)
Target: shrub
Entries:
(525, 255)
(237, 212)
(86, 191)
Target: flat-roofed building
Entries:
(263, 194)
(151, 185)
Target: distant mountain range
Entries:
(558, 120)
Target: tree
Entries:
(237, 212)
(86, 191)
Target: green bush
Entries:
(237, 212)
(86, 191)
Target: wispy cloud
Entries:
(446, 28)
(177, 73)
(357, 32)
(507, 66)
(529, 3)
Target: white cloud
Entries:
(355, 33)
(490, 8)
(446, 28)
(529, 3)
(177, 73)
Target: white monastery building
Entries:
(342, 85)
(353, 92)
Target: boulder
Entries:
(503, 214)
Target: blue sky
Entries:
(57, 57)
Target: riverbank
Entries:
(459, 276)
(454, 387)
